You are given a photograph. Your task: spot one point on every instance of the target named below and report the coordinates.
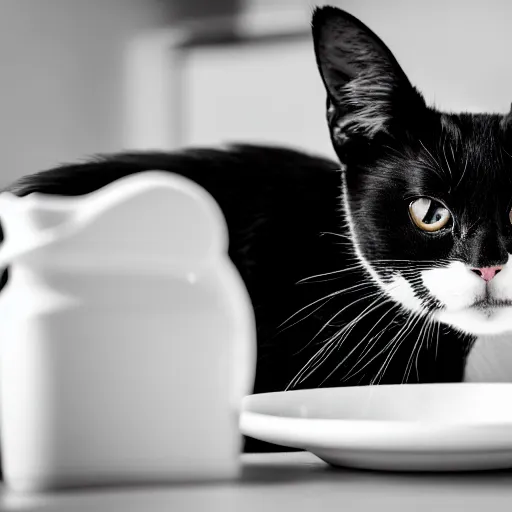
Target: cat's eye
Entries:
(428, 214)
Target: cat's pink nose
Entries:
(487, 273)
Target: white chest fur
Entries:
(490, 359)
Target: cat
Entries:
(388, 266)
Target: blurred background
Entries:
(80, 77)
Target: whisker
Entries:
(333, 294)
(464, 171)
(340, 342)
(341, 235)
(397, 342)
(437, 340)
(446, 160)
(333, 345)
(352, 268)
(347, 329)
(410, 262)
(374, 341)
(364, 297)
(418, 343)
(396, 339)
(317, 355)
(506, 152)
(429, 334)
(340, 337)
(332, 341)
(326, 299)
(379, 298)
(437, 166)
(307, 316)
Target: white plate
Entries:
(418, 427)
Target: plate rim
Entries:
(376, 435)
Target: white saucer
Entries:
(418, 427)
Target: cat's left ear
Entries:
(368, 93)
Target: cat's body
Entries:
(290, 240)
(384, 269)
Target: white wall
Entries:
(455, 51)
(264, 94)
(62, 77)
(61, 69)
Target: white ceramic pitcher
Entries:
(128, 337)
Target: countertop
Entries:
(290, 481)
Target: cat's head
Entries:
(427, 194)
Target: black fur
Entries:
(285, 225)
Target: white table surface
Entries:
(291, 482)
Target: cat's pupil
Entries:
(434, 215)
(431, 211)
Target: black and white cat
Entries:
(390, 268)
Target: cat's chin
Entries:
(479, 322)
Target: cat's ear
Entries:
(367, 90)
